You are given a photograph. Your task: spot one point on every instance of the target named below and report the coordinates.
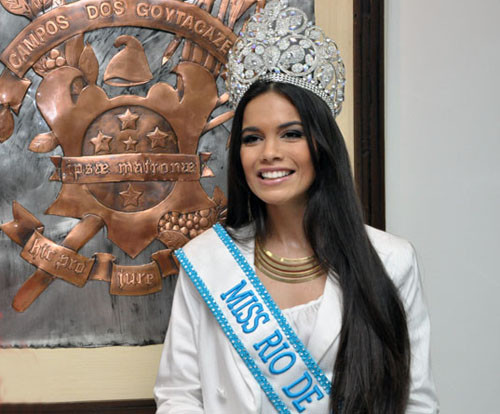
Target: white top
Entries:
(200, 372)
(302, 318)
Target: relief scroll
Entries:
(123, 132)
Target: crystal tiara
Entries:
(279, 44)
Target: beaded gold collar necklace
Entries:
(284, 269)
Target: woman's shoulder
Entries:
(387, 243)
(396, 253)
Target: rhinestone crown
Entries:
(280, 44)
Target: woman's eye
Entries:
(249, 139)
(293, 134)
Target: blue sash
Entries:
(255, 326)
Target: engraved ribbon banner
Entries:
(128, 167)
(135, 280)
(67, 264)
(57, 260)
(60, 24)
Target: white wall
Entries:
(443, 182)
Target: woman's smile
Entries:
(274, 175)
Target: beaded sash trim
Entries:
(233, 338)
(255, 326)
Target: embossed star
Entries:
(130, 196)
(101, 142)
(158, 138)
(130, 144)
(128, 120)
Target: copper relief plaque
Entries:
(122, 131)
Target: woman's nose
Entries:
(271, 149)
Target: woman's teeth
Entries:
(275, 174)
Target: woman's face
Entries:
(274, 151)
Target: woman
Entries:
(303, 309)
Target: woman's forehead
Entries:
(269, 108)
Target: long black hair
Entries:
(372, 369)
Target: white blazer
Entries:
(200, 372)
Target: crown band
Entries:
(279, 44)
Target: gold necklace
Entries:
(284, 269)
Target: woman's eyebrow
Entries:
(285, 125)
(250, 129)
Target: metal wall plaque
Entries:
(113, 129)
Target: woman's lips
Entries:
(271, 175)
(274, 176)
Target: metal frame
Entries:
(369, 108)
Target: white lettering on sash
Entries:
(274, 352)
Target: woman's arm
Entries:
(178, 389)
(423, 398)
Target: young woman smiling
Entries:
(296, 305)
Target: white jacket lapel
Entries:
(326, 332)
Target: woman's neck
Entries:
(285, 231)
